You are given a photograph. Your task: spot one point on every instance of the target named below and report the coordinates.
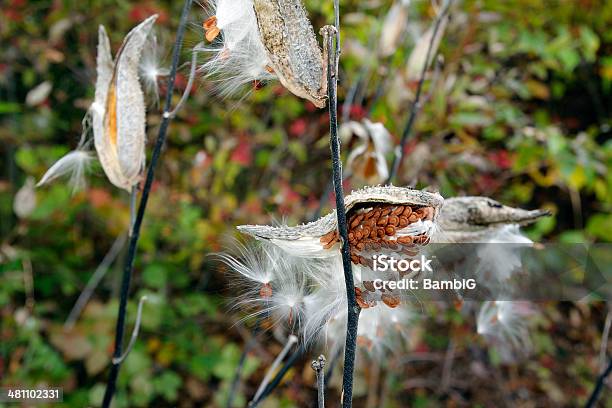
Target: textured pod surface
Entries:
(292, 47)
(471, 219)
(315, 238)
(119, 108)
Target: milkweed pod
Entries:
(119, 108)
(289, 39)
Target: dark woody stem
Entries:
(131, 255)
(352, 307)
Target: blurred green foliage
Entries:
(519, 111)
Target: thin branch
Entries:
(318, 366)
(605, 335)
(247, 348)
(416, 106)
(279, 376)
(131, 255)
(334, 141)
(93, 282)
(264, 383)
(599, 385)
(119, 360)
(192, 74)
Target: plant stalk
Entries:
(352, 307)
(129, 262)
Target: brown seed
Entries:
(368, 215)
(413, 218)
(328, 237)
(356, 220)
(380, 232)
(421, 212)
(358, 236)
(391, 244)
(405, 240)
(354, 259)
(376, 214)
(398, 210)
(390, 230)
(373, 233)
(375, 246)
(393, 220)
(390, 300)
(351, 236)
(382, 221)
(363, 261)
(407, 211)
(386, 211)
(212, 33)
(366, 231)
(360, 246)
(371, 223)
(403, 222)
(369, 285)
(210, 22)
(330, 244)
(265, 291)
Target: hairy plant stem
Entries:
(334, 141)
(416, 105)
(129, 262)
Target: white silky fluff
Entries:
(505, 326)
(237, 56)
(76, 164)
(309, 297)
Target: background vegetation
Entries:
(517, 109)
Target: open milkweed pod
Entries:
(367, 160)
(262, 40)
(381, 216)
(290, 41)
(119, 111)
(473, 219)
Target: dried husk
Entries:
(292, 47)
(119, 112)
(305, 238)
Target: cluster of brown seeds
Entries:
(374, 228)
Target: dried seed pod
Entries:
(119, 108)
(474, 219)
(292, 48)
(301, 240)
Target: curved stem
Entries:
(129, 262)
(599, 385)
(118, 360)
(416, 106)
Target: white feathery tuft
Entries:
(75, 163)
(151, 68)
(237, 56)
(504, 325)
